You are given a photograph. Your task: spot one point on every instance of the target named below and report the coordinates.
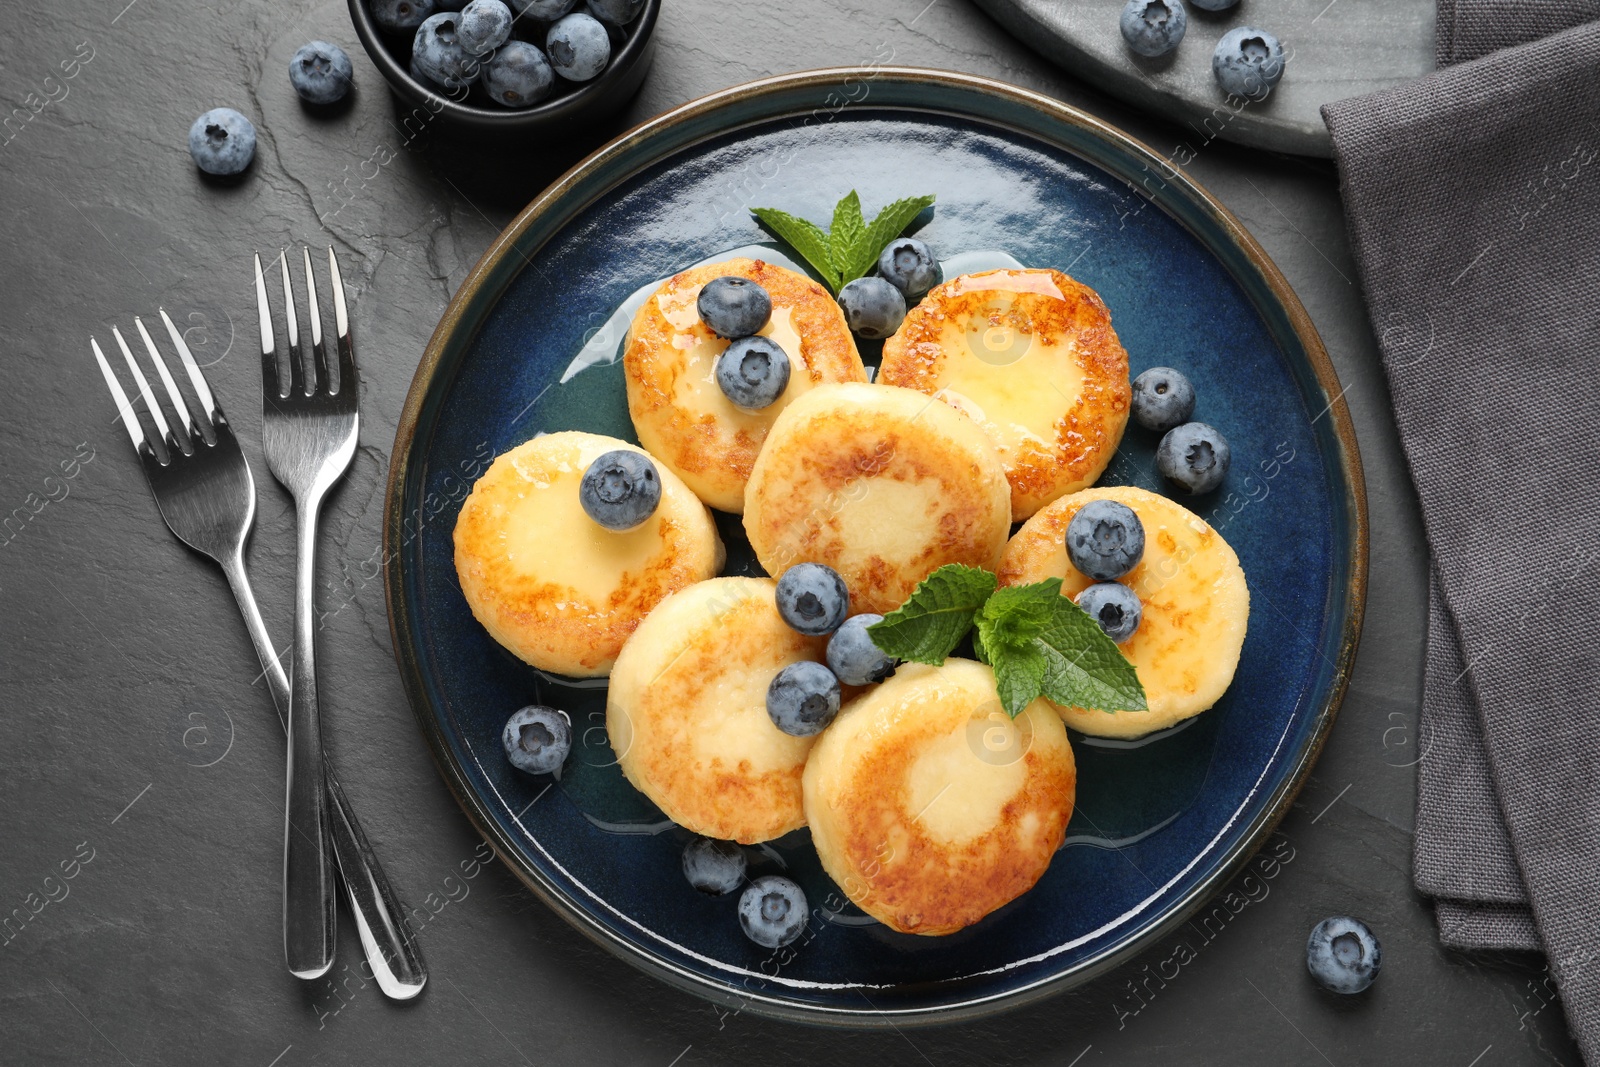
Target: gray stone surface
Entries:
(1336, 49)
(127, 680)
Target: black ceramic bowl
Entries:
(570, 105)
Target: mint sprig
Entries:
(1036, 640)
(852, 245)
(936, 616)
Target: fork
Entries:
(205, 492)
(308, 432)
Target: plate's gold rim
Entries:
(619, 149)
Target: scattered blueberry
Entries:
(1154, 27)
(1162, 398)
(909, 266)
(854, 657)
(222, 141)
(544, 10)
(1213, 5)
(621, 489)
(753, 372)
(732, 306)
(714, 867)
(1194, 456)
(436, 50)
(320, 72)
(1343, 954)
(1114, 606)
(485, 26)
(872, 307)
(1248, 62)
(537, 739)
(518, 75)
(773, 911)
(396, 15)
(616, 12)
(1105, 540)
(578, 46)
(803, 698)
(813, 599)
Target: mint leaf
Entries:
(849, 229)
(883, 229)
(804, 237)
(1015, 615)
(1019, 672)
(936, 616)
(1085, 668)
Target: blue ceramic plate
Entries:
(529, 345)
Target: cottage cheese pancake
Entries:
(551, 584)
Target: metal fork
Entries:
(308, 433)
(204, 490)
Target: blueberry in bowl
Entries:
(492, 90)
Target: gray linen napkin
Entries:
(1473, 199)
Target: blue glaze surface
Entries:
(1159, 821)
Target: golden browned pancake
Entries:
(680, 413)
(1031, 356)
(687, 711)
(929, 806)
(1192, 592)
(551, 584)
(884, 485)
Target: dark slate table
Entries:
(138, 752)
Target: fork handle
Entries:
(308, 867)
(392, 950)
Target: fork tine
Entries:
(180, 409)
(196, 379)
(269, 349)
(297, 366)
(144, 391)
(124, 408)
(341, 321)
(319, 354)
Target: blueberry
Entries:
(872, 307)
(1162, 399)
(803, 698)
(813, 599)
(485, 26)
(222, 141)
(1154, 27)
(396, 15)
(320, 72)
(1114, 606)
(578, 46)
(1343, 955)
(1248, 62)
(518, 75)
(621, 489)
(1105, 540)
(1213, 5)
(436, 50)
(422, 79)
(854, 657)
(616, 12)
(772, 911)
(732, 306)
(753, 372)
(544, 10)
(909, 266)
(714, 867)
(537, 739)
(1193, 456)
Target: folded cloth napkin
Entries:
(1473, 200)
